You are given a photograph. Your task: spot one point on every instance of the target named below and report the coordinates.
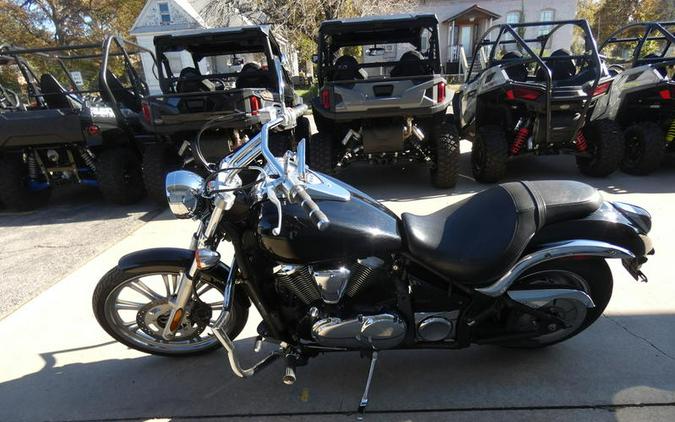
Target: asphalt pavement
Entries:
(57, 364)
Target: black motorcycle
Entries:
(329, 269)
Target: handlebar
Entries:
(299, 194)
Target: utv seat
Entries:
(478, 239)
(191, 81)
(253, 76)
(561, 69)
(410, 64)
(124, 97)
(516, 72)
(347, 69)
(55, 95)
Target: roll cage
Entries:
(336, 34)
(661, 28)
(522, 43)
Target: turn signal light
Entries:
(325, 98)
(602, 88)
(665, 94)
(206, 258)
(440, 92)
(93, 130)
(522, 93)
(147, 114)
(177, 318)
(255, 105)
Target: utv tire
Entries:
(120, 177)
(280, 142)
(606, 146)
(303, 130)
(445, 146)
(321, 153)
(595, 272)
(158, 160)
(645, 148)
(488, 154)
(117, 276)
(15, 192)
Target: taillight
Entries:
(440, 92)
(254, 102)
(602, 88)
(666, 94)
(521, 93)
(93, 130)
(147, 114)
(325, 98)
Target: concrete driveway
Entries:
(57, 364)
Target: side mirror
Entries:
(315, 58)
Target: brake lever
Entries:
(272, 196)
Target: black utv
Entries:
(642, 97)
(72, 124)
(382, 97)
(525, 93)
(234, 84)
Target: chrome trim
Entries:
(551, 251)
(332, 283)
(540, 297)
(300, 160)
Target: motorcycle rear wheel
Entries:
(131, 307)
(591, 275)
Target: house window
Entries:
(546, 15)
(164, 14)
(513, 17)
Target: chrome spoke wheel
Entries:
(138, 309)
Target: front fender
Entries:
(163, 259)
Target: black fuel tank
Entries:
(358, 228)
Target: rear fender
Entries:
(163, 259)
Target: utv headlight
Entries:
(183, 192)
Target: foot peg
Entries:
(364, 398)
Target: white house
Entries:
(463, 22)
(159, 17)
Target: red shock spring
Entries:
(518, 143)
(582, 146)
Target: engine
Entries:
(321, 288)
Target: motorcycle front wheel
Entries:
(133, 308)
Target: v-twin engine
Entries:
(381, 331)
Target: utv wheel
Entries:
(16, 190)
(280, 142)
(445, 146)
(645, 148)
(321, 155)
(605, 146)
(158, 160)
(119, 176)
(488, 154)
(592, 276)
(136, 321)
(303, 130)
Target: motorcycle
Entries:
(329, 269)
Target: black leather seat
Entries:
(124, 96)
(253, 76)
(347, 69)
(477, 240)
(410, 64)
(54, 93)
(516, 72)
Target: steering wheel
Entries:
(220, 81)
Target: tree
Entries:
(606, 16)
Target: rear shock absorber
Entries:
(88, 159)
(522, 132)
(670, 134)
(580, 142)
(32, 166)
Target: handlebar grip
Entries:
(315, 214)
(300, 109)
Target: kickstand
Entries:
(364, 399)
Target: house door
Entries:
(466, 39)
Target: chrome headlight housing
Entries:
(184, 193)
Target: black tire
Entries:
(280, 142)
(598, 277)
(606, 146)
(15, 191)
(158, 160)
(489, 153)
(321, 153)
(645, 148)
(116, 276)
(120, 177)
(444, 142)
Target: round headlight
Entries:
(183, 192)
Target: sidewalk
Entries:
(57, 364)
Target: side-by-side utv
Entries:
(220, 100)
(382, 97)
(82, 132)
(526, 93)
(642, 97)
